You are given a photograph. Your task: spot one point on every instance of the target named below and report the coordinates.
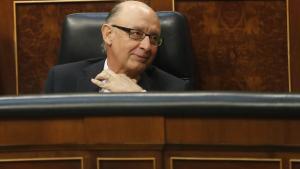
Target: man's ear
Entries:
(106, 33)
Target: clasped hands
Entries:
(112, 82)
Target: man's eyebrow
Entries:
(138, 28)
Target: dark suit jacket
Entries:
(75, 77)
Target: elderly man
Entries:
(131, 38)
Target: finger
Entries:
(103, 76)
(99, 83)
(134, 80)
(125, 77)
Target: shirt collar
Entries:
(105, 65)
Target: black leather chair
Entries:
(81, 39)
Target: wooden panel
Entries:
(7, 64)
(41, 131)
(223, 163)
(45, 163)
(120, 130)
(239, 45)
(236, 131)
(294, 164)
(159, 5)
(294, 14)
(126, 163)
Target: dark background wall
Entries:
(239, 45)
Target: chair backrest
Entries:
(81, 39)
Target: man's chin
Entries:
(139, 67)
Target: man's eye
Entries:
(137, 34)
(154, 37)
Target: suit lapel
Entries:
(145, 81)
(84, 83)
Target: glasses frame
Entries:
(154, 42)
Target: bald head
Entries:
(122, 9)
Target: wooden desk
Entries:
(151, 131)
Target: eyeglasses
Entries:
(139, 35)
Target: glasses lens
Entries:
(155, 40)
(136, 35)
(160, 41)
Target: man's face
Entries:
(127, 55)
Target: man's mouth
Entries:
(142, 58)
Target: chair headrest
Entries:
(81, 39)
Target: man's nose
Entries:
(145, 43)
